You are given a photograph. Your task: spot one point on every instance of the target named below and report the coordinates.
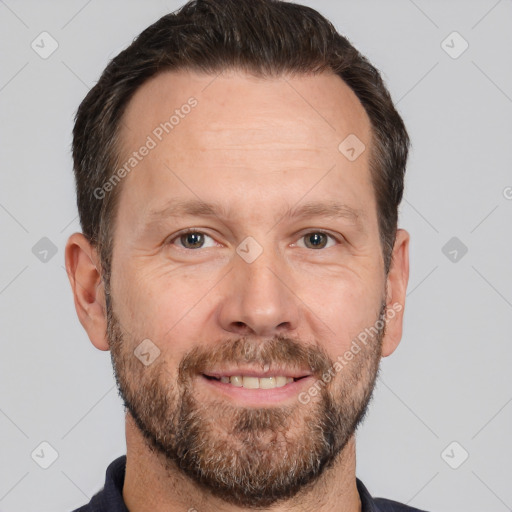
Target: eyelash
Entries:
(192, 230)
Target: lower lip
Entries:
(258, 397)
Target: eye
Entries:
(192, 240)
(317, 240)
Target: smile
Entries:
(252, 382)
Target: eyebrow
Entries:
(198, 208)
(330, 209)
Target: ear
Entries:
(397, 280)
(84, 273)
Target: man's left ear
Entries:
(397, 280)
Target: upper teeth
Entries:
(257, 383)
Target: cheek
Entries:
(346, 304)
(167, 308)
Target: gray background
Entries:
(448, 381)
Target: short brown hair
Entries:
(263, 37)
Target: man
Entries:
(239, 169)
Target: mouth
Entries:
(254, 387)
(254, 381)
(256, 391)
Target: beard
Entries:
(247, 456)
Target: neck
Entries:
(151, 486)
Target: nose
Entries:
(258, 298)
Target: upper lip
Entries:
(295, 373)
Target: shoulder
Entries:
(385, 505)
(99, 503)
(370, 504)
(110, 497)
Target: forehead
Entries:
(314, 109)
(218, 136)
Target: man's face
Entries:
(270, 286)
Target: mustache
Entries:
(278, 351)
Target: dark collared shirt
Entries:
(110, 498)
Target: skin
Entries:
(260, 148)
